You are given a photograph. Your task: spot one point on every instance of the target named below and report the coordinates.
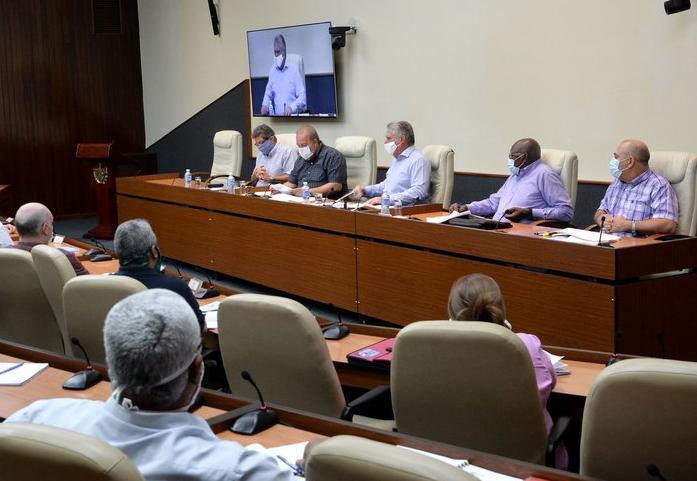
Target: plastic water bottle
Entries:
(187, 178)
(306, 192)
(230, 184)
(385, 204)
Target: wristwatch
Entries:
(633, 227)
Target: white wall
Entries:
(475, 74)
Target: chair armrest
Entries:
(555, 436)
(376, 396)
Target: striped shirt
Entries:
(649, 196)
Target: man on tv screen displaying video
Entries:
(285, 91)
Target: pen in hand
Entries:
(297, 470)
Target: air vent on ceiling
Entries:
(106, 16)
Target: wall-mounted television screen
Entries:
(292, 71)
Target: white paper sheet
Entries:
(290, 452)
(212, 320)
(581, 236)
(20, 375)
(445, 218)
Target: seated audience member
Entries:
(275, 161)
(638, 200)
(34, 223)
(477, 297)
(139, 257)
(153, 353)
(533, 190)
(321, 166)
(409, 177)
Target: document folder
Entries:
(376, 356)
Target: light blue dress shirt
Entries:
(172, 446)
(285, 88)
(5, 239)
(408, 179)
(280, 160)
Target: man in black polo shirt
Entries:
(321, 166)
(139, 257)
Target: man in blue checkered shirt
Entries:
(639, 201)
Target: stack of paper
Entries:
(17, 373)
(283, 189)
(439, 219)
(560, 368)
(581, 236)
(287, 198)
(284, 455)
(476, 471)
(211, 312)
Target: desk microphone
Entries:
(258, 420)
(498, 222)
(99, 253)
(600, 236)
(84, 379)
(614, 357)
(653, 471)
(337, 330)
(268, 188)
(345, 196)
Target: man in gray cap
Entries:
(153, 351)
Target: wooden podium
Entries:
(103, 178)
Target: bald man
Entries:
(533, 191)
(34, 223)
(321, 166)
(639, 201)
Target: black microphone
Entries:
(654, 472)
(498, 222)
(659, 338)
(614, 357)
(205, 293)
(268, 187)
(258, 420)
(336, 330)
(84, 379)
(600, 236)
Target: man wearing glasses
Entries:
(533, 190)
(275, 161)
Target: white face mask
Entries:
(279, 61)
(305, 152)
(390, 147)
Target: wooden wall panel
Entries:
(62, 84)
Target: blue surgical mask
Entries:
(512, 167)
(266, 147)
(615, 167)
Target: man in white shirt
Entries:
(275, 161)
(409, 177)
(285, 90)
(153, 350)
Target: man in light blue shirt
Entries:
(5, 239)
(153, 350)
(285, 90)
(409, 177)
(275, 161)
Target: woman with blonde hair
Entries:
(476, 297)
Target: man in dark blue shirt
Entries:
(321, 166)
(139, 257)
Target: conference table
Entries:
(634, 297)
(220, 411)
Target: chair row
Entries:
(468, 384)
(679, 168)
(45, 304)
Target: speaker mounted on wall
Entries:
(214, 17)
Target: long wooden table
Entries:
(220, 410)
(629, 298)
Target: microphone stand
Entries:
(84, 379)
(600, 236)
(258, 420)
(337, 330)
